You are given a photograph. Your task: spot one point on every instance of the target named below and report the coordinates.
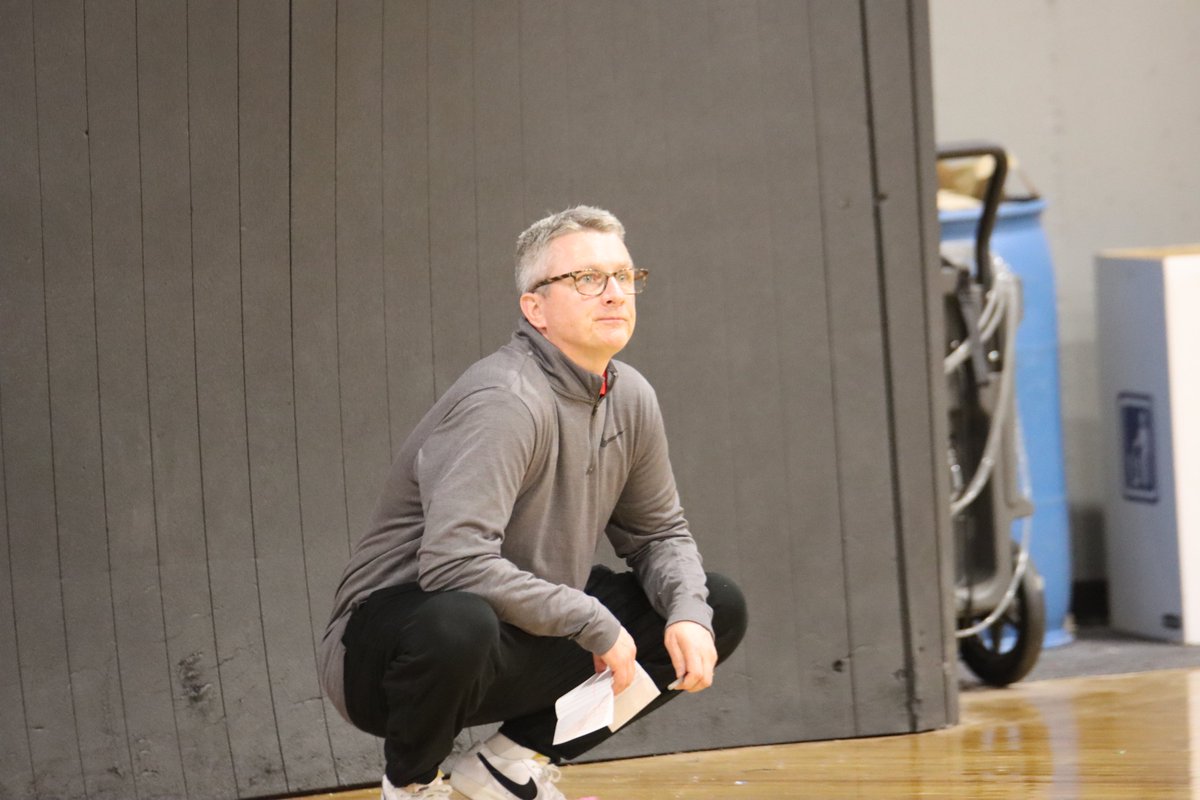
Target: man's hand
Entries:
(620, 658)
(693, 654)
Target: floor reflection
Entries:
(1129, 736)
(1126, 737)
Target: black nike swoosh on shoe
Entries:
(525, 791)
(604, 442)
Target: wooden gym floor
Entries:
(1117, 737)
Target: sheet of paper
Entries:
(636, 697)
(586, 708)
(591, 706)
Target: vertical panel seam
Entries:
(475, 184)
(712, 100)
(829, 323)
(788, 476)
(99, 405)
(292, 350)
(13, 599)
(573, 175)
(521, 111)
(137, 84)
(337, 286)
(187, 132)
(889, 382)
(8, 534)
(428, 216)
(199, 425)
(50, 393)
(66, 629)
(246, 406)
(383, 239)
(196, 371)
(932, 376)
(149, 403)
(196, 361)
(8, 546)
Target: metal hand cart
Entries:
(999, 603)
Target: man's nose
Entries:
(613, 290)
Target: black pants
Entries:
(422, 666)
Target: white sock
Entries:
(505, 747)
(389, 787)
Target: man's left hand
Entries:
(693, 654)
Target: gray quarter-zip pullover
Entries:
(504, 488)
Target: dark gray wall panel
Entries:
(590, 115)
(16, 772)
(695, 298)
(905, 193)
(690, 291)
(254, 747)
(20, 211)
(362, 322)
(545, 127)
(633, 108)
(406, 218)
(36, 568)
(16, 769)
(264, 63)
(74, 410)
(751, 372)
(315, 342)
(878, 658)
(113, 106)
(629, 103)
(818, 593)
(453, 254)
(174, 423)
(759, 269)
(290, 226)
(926, 161)
(314, 272)
(498, 196)
(696, 342)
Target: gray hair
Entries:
(532, 244)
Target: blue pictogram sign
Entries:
(1139, 474)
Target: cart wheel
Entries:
(1007, 651)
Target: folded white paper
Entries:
(591, 705)
(636, 696)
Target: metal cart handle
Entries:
(993, 196)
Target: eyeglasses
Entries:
(592, 282)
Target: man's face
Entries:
(589, 330)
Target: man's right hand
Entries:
(620, 658)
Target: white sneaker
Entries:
(424, 791)
(500, 769)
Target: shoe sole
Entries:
(473, 790)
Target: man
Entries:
(473, 598)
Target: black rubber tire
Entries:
(1005, 652)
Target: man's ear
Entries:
(531, 307)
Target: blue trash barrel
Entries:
(1020, 240)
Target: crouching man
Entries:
(473, 597)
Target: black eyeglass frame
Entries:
(638, 273)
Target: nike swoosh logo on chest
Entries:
(605, 442)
